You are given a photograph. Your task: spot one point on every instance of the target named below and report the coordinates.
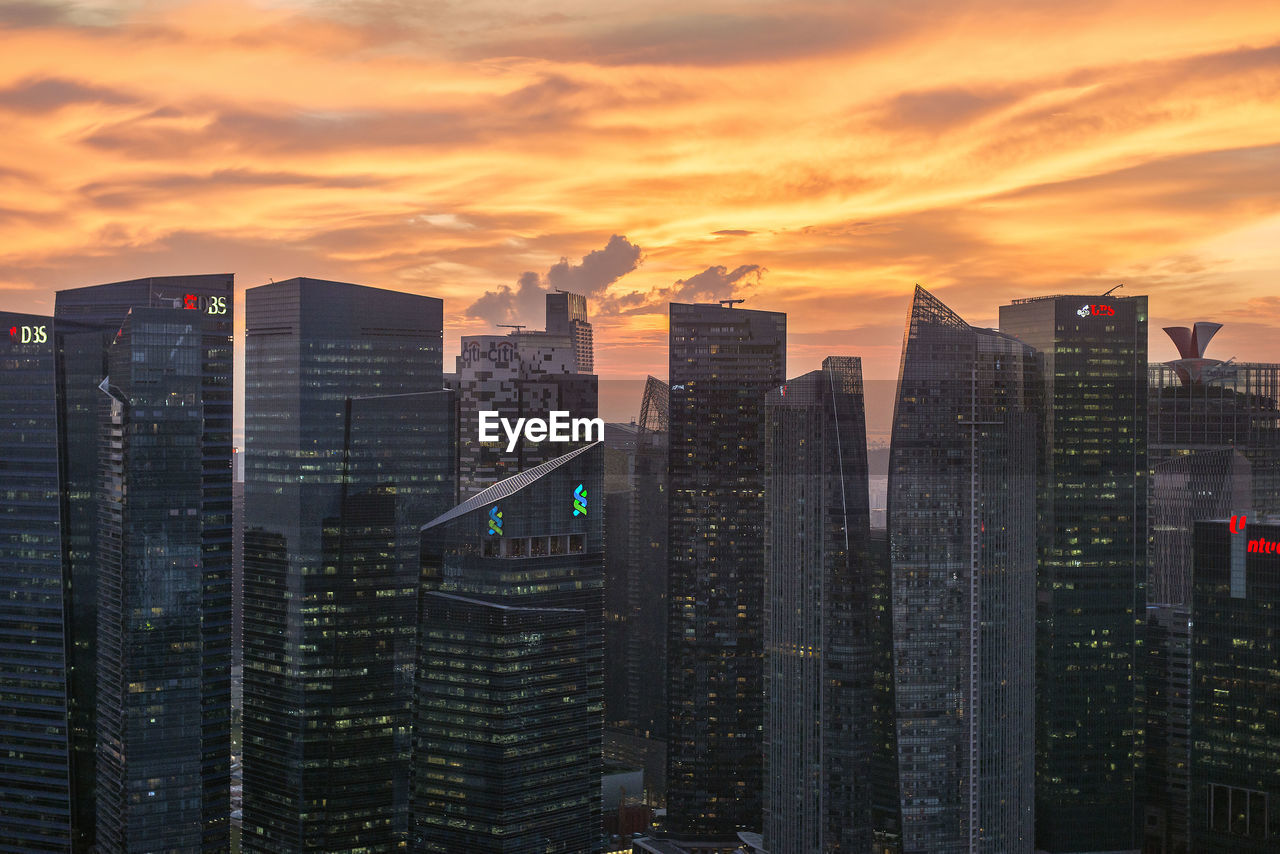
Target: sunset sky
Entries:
(811, 157)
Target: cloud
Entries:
(733, 232)
(591, 276)
(712, 284)
(52, 93)
(19, 14)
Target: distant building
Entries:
(817, 629)
(1235, 779)
(348, 448)
(509, 694)
(962, 539)
(722, 362)
(1092, 573)
(567, 315)
(1167, 678)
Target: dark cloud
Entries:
(51, 93)
(125, 193)
(21, 15)
(733, 232)
(591, 276)
(939, 109)
(714, 283)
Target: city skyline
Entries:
(824, 157)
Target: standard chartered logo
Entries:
(580, 501)
(495, 521)
(558, 428)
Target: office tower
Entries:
(521, 375)
(1235, 779)
(619, 449)
(1167, 746)
(962, 474)
(647, 581)
(722, 361)
(817, 618)
(1092, 573)
(145, 431)
(886, 807)
(347, 452)
(567, 315)
(35, 752)
(509, 696)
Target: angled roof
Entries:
(506, 488)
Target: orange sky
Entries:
(816, 158)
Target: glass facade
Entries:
(961, 514)
(348, 450)
(35, 760)
(1235, 655)
(509, 705)
(1091, 582)
(145, 371)
(722, 362)
(817, 616)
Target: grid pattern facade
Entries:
(1235, 654)
(35, 759)
(567, 315)
(722, 362)
(509, 708)
(348, 451)
(961, 516)
(1091, 583)
(817, 633)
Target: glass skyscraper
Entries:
(348, 438)
(722, 361)
(35, 750)
(1092, 574)
(509, 708)
(961, 513)
(145, 371)
(817, 628)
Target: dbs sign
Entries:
(1096, 311)
(29, 334)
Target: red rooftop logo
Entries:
(1096, 311)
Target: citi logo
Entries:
(495, 521)
(579, 501)
(1096, 311)
(1233, 524)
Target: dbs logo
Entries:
(1096, 311)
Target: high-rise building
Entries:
(817, 628)
(567, 315)
(962, 536)
(722, 362)
(35, 748)
(509, 697)
(522, 375)
(646, 641)
(145, 372)
(1092, 574)
(1167, 746)
(348, 447)
(1235, 730)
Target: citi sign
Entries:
(29, 334)
(558, 428)
(1096, 311)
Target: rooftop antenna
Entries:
(1108, 293)
(516, 326)
(728, 303)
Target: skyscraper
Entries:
(962, 477)
(145, 422)
(722, 361)
(817, 629)
(35, 749)
(1235, 780)
(1091, 581)
(567, 315)
(509, 698)
(348, 451)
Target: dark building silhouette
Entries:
(1235, 651)
(508, 713)
(348, 451)
(886, 807)
(962, 539)
(818, 661)
(35, 745)
(145, 370)
(1167, 746)
(1091, 582)
(722, 362)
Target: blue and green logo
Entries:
(495, 521)
(580, 501)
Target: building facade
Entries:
(817, 628)
(1092, 575)
(509, 698)
(961, 513)
(567, 316)
(348, 450)
(722, 362)
(1235, 735)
